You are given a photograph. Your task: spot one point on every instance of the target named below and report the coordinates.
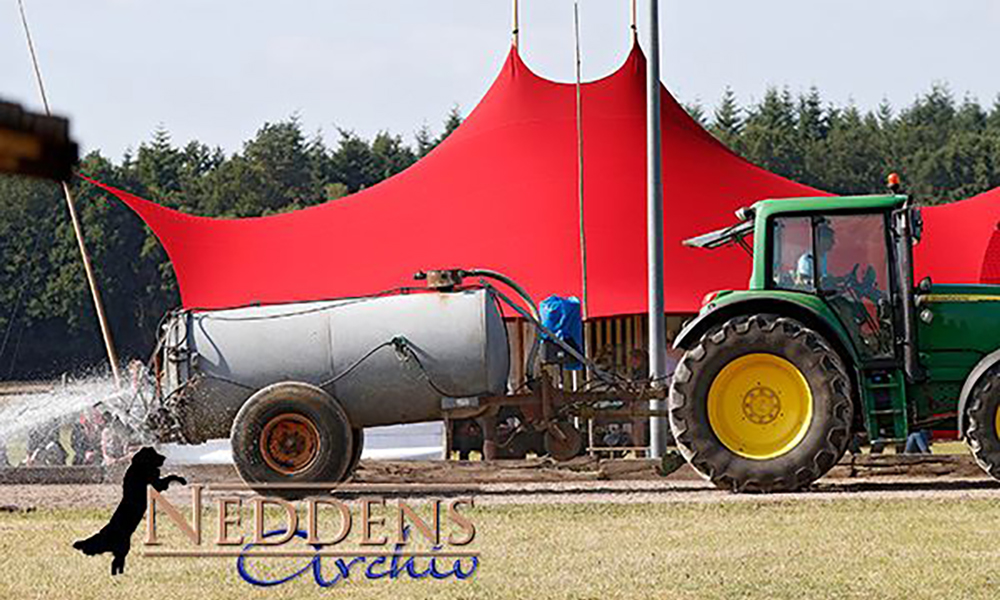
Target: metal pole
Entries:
(77, 230)
(654, 232)
(632, 22)
(514, 32)
(579, 160)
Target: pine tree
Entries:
(884, 114)
(318, 157)
(696, 111)
(993, 120)
(769, 138)
(810, 119)
(281, 165)
(353, 162)
(451, 123)
(158, 167)
(391, 155)
(970, 116)
(425, 140)
(726, 120)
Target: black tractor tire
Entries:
(291, 433)
(981, 414)
(826, 436)
(358, 440)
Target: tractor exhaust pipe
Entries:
(903, 232)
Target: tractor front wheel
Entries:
(761, 404)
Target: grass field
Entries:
(809, 549)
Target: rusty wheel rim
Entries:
(289, 443)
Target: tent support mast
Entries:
(579, 158)
(654, 225)
(77, 229)
(515, 27)
(633, 31)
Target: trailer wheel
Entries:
(761, 404)
(291, 433)
(983, 418)
(358, 438)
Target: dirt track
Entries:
(537, 482)
(27, 497)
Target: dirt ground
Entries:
(27, 497)
(531, 481)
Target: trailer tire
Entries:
(983, 418)
(358, 439)
(291, 433)
(745, 433)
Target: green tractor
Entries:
(831, 339)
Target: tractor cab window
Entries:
(791, 268)
(852, 273)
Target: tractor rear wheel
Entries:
(983, 420)
(761, 403)
(291, 434)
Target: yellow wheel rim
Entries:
(997, 422)
(760, 406)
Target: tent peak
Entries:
(634, 54)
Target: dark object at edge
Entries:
(35, 144)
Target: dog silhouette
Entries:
(116, 536)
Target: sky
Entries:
(217, 70)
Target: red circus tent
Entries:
(499, 193)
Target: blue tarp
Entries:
(562, 317)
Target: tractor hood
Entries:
(960, 319)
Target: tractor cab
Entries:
(843, 257)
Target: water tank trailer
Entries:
(293, 385)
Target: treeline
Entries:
(944, 149)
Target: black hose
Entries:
(507, 281)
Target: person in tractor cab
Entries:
(825, 241)
(855, 289)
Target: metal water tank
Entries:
(385, 359)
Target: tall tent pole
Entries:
(515, 28)
(77, 229)
(654, 228)
(632, 21)
(579, 188)
(579, 158)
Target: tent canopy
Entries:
(960, 242)
(501, 193)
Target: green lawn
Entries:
(808, 549)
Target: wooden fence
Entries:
(615, 343)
